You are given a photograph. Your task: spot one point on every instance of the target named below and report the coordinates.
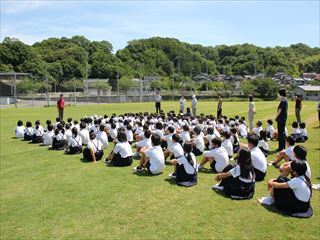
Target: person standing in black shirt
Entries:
(282, 118)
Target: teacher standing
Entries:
(219, 107)
(281, 119)
(251, 112)
(158, 100)
(298, 107)
(60, 106)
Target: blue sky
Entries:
(210, 23)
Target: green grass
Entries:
(48, 195)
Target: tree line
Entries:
(62, 60)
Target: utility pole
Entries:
(15, 90)
(47, 90)
(207, 71)
(141, 85)
(86, 76)
(118, 90)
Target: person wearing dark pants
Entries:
(158, 99)
(298, 107)
(60, 106)
(281, 119)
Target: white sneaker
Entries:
(172, 175)
(266, 200)
(137, 169)
(217, 187)
(270, 163)
(107, 161)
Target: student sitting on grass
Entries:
(218, 157)
(37, 136)
(303, 132)
(74, 143)
(290, 195)
(209, 137)
(271, 133)
(28, 131)
(175, 150)
(234, 140)
(48, 136)
(258, 128)
(243, 129)
(295, 131)
(258, 159)
(93, 151)
(152, 159)
(238, 181)
(59, 140)
(19, 130)
(185, 134)
(102, 136)
(144, 143)
(68, 131)
(198, 142)
(263, 143)
(286, 154)
(121, 156)
(84, 133)
(227, 144)
(185, 169)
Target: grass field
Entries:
(48, 195)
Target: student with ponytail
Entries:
(291, 195)
(74, 143)
(238, 181)
(185, 167)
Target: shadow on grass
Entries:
(83, 160)
(221, 193)
(171, 181)
(145, 173)
(206, 171)
(273, 209)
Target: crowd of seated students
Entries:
(181, 138)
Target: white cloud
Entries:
(14, 7)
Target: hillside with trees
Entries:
(64, 59)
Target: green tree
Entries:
(100, 86)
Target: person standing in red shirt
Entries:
(60, 106)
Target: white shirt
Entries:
(264, 145)
(289, 152)
(303, 132)
(68, 134)
(194, 103)
(94, 145)
(210, 138)
(199, 142)
(221, 157)
(187, 166)
(182, 102)
(145, 143)
(300, 188)
(257, 130)
(113, 133)
(270, 130)
(251, 106)
(84, 134)
(75, 141)
(168, 138)
(29, 131)
(258, 159)
(47, 138)
(124, 149)
(177, 150)
(243, 130)
(158, 98)
(236, 171)
(19, 131)
(295, 131)
(103, 138)
(59, 136)
(159, 132)
(185, 137)
(156, 157)
(227, 144)
(38, 132)
(129, 135)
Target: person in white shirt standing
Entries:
(251, 112)
(194, 105)
(152, 159)
(158, 100)
(182, 104)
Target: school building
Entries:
(309, 92)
